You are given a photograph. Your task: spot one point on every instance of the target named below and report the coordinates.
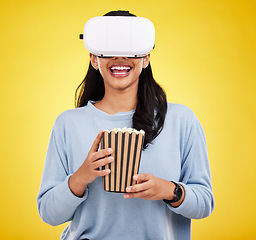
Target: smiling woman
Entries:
(174, 183)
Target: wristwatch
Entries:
(177, 194)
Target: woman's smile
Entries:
(119, 73)
(119, 70)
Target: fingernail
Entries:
(135, 177)
(109, 150)
(110, 158)
(107, 170)
(128, 189)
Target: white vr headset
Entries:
(121, 36)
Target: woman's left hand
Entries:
(150, 187)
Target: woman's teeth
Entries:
(120, 68)
(120, 71)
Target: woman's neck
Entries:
(117, 102)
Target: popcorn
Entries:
(125, 129)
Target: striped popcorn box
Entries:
(127, 145)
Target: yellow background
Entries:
(204, 58)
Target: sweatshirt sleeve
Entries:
(195, 174)
(55, 201)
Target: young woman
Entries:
(174, 183)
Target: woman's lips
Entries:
(120, 70)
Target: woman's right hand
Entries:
(89, 170)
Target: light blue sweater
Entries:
(179, 153)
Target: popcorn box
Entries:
(127, 145)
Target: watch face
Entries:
(179, 192)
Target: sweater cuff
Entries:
(67, 197)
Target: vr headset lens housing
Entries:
(109, 36)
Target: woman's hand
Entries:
(152, 188)
(89, 170)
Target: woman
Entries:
(174, 183)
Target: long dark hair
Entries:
(151, 106)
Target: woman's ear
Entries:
(94, 61)
(146, 61)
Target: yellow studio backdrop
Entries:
(204, 58)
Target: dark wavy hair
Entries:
(151, 106)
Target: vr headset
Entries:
(121, 36)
